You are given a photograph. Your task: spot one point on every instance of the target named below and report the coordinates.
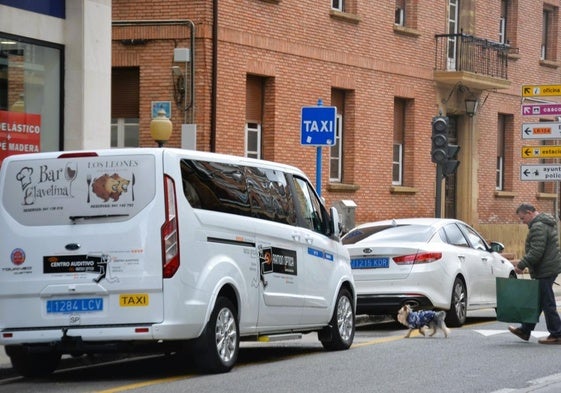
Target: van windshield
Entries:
(59, 191)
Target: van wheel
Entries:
(219, 344)
(341, 330)
(33, 365)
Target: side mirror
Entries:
(335, 223)
(497, 247)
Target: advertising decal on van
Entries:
(278, 260)
(62, 190)
(80, 264)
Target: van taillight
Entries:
(170, 231)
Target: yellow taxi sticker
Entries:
(134, 300)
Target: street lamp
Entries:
(160, 128)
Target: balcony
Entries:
(474, 62)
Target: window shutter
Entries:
(125, 92)
(254, 99)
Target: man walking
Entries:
(543, 260)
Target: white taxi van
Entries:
(164, 250)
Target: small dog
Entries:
(421, 320)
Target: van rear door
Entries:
(80, 241)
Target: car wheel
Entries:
(33, 365)
(341, 330)
(217, 348)
(456, 317)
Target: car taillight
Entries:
(414, 259)
(170, 231)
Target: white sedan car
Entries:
(429, 263)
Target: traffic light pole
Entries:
(438, 197)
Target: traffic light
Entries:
(439, 151)
(449, 167)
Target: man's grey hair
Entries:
(525, 208)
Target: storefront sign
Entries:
(19, 133)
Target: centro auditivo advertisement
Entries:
(19, 133)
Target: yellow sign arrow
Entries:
(541, 151)
(541, 90)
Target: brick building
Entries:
(239, 71)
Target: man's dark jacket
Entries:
(543, 258)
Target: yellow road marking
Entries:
(143, 384)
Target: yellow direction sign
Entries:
(541, 90)
(541, 151)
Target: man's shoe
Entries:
(550, 340)
(518, 332)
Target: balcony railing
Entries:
(462, 52)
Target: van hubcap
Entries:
(226, 335)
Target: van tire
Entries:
(33, 365)
(219, 344)
(340, 333)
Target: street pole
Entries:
(438, 197)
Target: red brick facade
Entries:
(303, 50)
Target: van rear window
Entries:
(76, 190)
(243, 190)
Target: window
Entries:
(125, 103)
(549, 36)
(504, 177)
(336, 151)
(453, 20)
(337, 5)
(454, 236)
(400, 12)
(236, 189)
(310, 208)
(124, 132)
(253, 140)
(31, 83)
(499, 185)
(255, 88)
(502, 22)
(398, 139)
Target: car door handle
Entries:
(309, 239)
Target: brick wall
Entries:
(303, 50)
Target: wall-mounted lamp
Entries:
(160, 128)
(470, 100)
(471, 105)
(178, 79)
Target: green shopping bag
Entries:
(518, 300)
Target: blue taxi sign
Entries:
(318, 125)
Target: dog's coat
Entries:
(421, 320)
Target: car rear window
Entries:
(409, 233)
(76, 190)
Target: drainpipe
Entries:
(214, 75)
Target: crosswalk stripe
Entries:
(490, 332)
